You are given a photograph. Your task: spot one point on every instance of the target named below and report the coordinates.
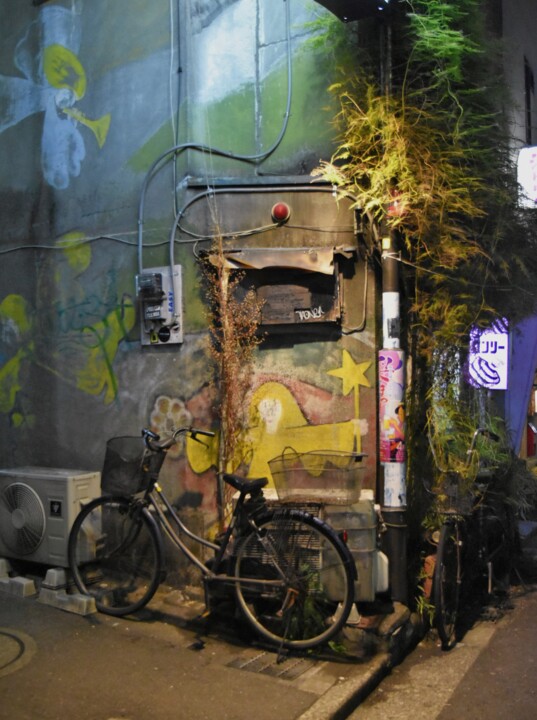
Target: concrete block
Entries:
(5, 568)
(19, 586)
(55, 579)
(74, 603)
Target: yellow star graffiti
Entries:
(352, 374)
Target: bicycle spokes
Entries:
(309, 579)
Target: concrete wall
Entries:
(519, 26)
(92, 94)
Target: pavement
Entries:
(488, 675)
(59, 659)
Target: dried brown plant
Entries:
(234, 318)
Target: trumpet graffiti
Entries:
(53, 81)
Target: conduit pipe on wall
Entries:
(201, 147)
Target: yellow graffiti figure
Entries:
(15, 323)
(63, 69)
(101, 341)
(276, 422)
(54, 82)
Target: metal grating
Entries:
(270, 664)
(299, 535)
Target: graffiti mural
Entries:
(90, 325)
(95, 347)
(53, 82)
(277, 422)
(353, 377)
(88, 329)
(168, 414)
(16, 348)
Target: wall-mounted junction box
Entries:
(161, 305)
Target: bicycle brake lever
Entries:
(194, 434)
(150, 434)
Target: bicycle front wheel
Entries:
(294, 580)
(447, 583)
(115, 554)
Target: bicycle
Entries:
(291, 574)
(476, 535)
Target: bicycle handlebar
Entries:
(486, 433)
(491, 435)
(153, 442)
(470, 452)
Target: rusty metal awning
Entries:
(319, 260)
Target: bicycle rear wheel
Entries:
(295, 581)
(115, 554)
(447, 582)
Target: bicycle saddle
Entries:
(245, 485)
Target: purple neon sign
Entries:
(488, 360)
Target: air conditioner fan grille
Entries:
(22, 518)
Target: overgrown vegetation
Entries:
(428, 137)
(435, 142)
(233, 325)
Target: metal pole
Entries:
(392, 422)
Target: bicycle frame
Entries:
(485, 532)
(156, 499)
(291, 575)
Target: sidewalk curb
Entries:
(338, 702)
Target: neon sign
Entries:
(488, 360)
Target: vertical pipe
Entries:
(391, 422)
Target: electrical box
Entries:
(160, 295)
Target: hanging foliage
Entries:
(428, 139)
(436, 143)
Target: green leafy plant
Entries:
(431, 160)
(425, 149)
(436, 149)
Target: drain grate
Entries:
(268, 664)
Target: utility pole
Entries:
(391, 373)
(391, 368)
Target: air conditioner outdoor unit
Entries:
(37, 509)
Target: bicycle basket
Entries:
(128, 466)
(325, 476)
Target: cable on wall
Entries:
(159, 163)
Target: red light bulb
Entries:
(280, 213)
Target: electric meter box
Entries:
(160, 296)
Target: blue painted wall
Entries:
(92, 94)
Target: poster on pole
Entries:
(392, 406)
